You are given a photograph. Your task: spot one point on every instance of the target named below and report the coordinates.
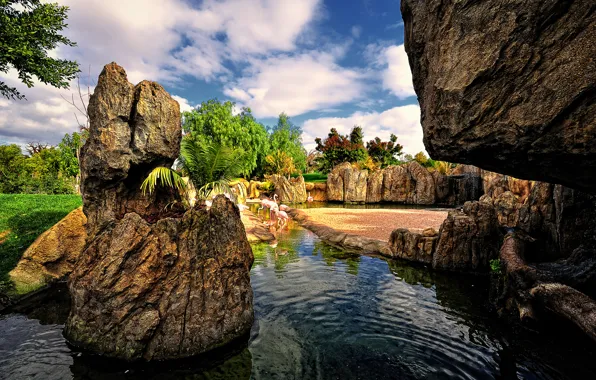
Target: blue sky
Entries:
(325, 63)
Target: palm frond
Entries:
(162, 176)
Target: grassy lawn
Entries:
(23, 217)
(315, 177)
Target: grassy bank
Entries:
(315, 177)
(23, 217)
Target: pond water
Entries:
(324, 314)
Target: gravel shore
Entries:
(377, 223)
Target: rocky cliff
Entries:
(155, 281)
(508, 86)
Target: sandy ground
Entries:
(377, 224)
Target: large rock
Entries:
(53, 254)
(175, 288)
(398, 185)
(424, 192)
(134, 129)
(355, 185)
(374, 187)
(291, 190)
(154, 282)
(347, 184)
(335, 183)
(508, 86)
(412, 246)
(468, 239)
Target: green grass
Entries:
(315, 177)
(23, 217)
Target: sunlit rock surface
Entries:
(155, 281)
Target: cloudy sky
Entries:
(326, 63)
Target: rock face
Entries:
(135, 128)
(53, 254)
(153, 283)
(317, 190)
(507, 86)
(374, 187)
(290, 190)
(468, 240)
(412, 246)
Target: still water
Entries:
(323, 314)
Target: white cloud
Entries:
(356, 31)
(184, 104)
(403, 121)
(160, 40)
(297, 84)
(397, 77)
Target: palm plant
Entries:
(209, 166)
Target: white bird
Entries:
(309, 199)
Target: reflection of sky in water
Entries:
(324, 314)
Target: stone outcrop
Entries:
(53, 254)
(510, 87)
(412, 246)
(153, 283)
(374, 187)
(507, 93)
(468, 239)
(290, 190)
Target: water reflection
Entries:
(322, 313)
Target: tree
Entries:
(36, 147)
(384, 153)
(421, 158)
(287, 137)
(209, 166)
(13, 170)
(279, 162)
(70, 150)
(28, 30)
(337, 148)
(214, 121)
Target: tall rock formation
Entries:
(154, 282)
(508, 86)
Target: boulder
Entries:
(127, 140)
(468, 239)
(412, 246)
(374, 187)
(507, 86)
(253, 189)
(165, 290)
(335, 183)
(291, 190)
(355, 185)
(424, 191)
(397, 185)
(153, 282)
(53, 254)
(507, 208)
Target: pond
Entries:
(323, 314)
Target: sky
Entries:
(325, 63)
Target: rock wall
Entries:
(407, 184)
(153, 283)
(291, 190)
(507, 86)
(317, 190)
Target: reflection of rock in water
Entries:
(49, 307)
(234, 362)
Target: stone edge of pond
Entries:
(344, 240)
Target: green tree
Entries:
(14, 174)
(337, 148)
(28, 30)
(279, 162)
(214, 121)
(384, 153)
(209, 165)
(287, 137)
